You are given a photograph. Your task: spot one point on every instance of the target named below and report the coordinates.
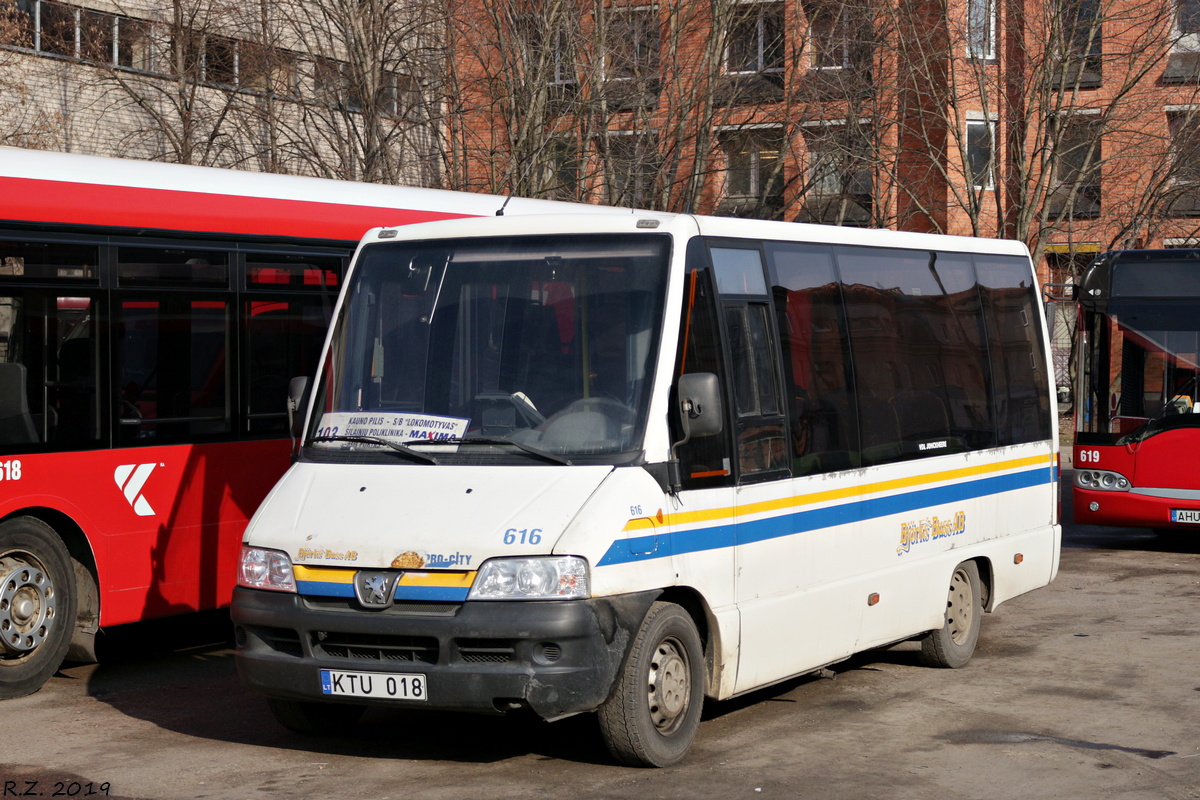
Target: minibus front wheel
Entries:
(952, 645)
(654, 712)
(37, 605)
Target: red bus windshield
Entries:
(1137, 415)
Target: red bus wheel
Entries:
(37, 605)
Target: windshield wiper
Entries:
(403, 449)
(494, 440)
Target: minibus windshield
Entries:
(539, 349)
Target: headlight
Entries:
(538, 578)
(266, 569)
(1103, 480)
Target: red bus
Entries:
(1137, 419)
(151, 316)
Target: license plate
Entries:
(388, 686)
(1188, 515)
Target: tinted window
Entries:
(48, 372)
(172, 369)
(739, 271)
(47, 260)
(284, 338)
(1020, 383)
(816, 363)
(1156, 279)
(141, 266)
(300, 272)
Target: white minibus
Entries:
(625, 462)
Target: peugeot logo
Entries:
(374, 589)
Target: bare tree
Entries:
(169, 86)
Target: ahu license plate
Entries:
(387, 686)
(1188, 515)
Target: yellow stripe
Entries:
(324, 574)
(442, 579)
(346, 575)
(708, 515)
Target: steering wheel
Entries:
(610, 407)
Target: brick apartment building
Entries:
(1070, 124)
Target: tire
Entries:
(951, 646)
(314, 718)
(654, 712)
(37, 605)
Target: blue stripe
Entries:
(323, 589)
(445, 594)
(730, 534)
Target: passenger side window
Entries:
(1020, 387)
(914, 328)
(816, 362)
(172, 370)
(48, 370)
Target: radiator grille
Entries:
(374, 647)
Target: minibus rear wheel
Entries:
(952, 645)
(314, 718)
(654, 712)
(37, 605)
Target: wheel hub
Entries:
(960, 607)
(27, 605)
(669, 686)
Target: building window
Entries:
(560, 169)
(1184, 127)
(96, 36)
(981, 29)
(187, 49)
(838, 178)
(57, 26)
(1077, 167)
(21, 31)
(830, 35)
(632, 166)
(754, 172)
(633, 44)
(135, 45)
(1187, 25)
(1185, 146)
(756, 39)
(981, 153)
(221, 61)
(400, 95)
(327, 81)
(1081, 37)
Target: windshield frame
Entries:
(643, 332)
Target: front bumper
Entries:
(1131, 509)
(555, 657)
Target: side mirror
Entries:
(700, 404)
(297, 389)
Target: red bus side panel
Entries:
(164, 523)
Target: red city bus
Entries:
(1137, 419)
(151, 316)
